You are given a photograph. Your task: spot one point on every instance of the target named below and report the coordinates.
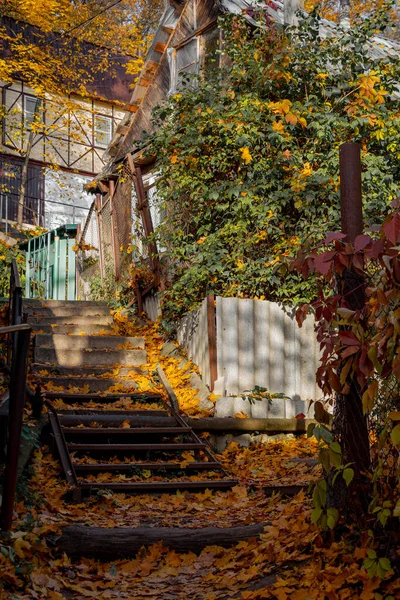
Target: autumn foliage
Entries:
(248, 159)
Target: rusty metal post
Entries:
(350, 190)
(212, 339)
(349, 420)
(16, 403)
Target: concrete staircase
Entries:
(76, 346)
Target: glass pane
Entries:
(30, 106)
(102, 131)
(186, 56)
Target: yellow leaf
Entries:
(291, 118)
(20, 545)
(245, 155)
(278, 127)
(241, 415)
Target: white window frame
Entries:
(29, 115)
(172, 58)
(106, 135)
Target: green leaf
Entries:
(385, 564)
(368, 562)
(396, 510)
(348, 475)
(395, 435)
(310, 429)
(316, 514)
(335, 447)
(324, 459)
(371, 553)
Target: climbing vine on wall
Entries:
(248, 157)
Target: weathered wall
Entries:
(258, 343)
(151, 307)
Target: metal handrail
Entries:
(18, 350)
(17, 386)
(14, 306)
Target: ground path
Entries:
(289, 561)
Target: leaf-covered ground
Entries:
(291, 560)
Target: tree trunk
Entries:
(122, 542)
(24, 171)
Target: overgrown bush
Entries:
(249, 157)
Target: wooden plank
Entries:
(62, 449)
(167, 466)
(122, 430)
(168, 388)
(132, 447)
(152, 486)
(213, 424)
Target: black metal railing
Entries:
(14, 307)
(17, 390)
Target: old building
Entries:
(67, 148)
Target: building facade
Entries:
(65, 139)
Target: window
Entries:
(102, 131)
(184, 61)
(29, 110)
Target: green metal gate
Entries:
(50, 264)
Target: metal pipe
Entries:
(350, 190)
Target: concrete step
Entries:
(83, 342)
(72, 320)
(86, 356)
(87, 384)
(61, 311)
(58, 371)
(33, 302)
(72, 329)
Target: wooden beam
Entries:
(122, 542)
(159, 47)
(211, 424)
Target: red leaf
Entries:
(300, 416)
(391, 227)
(332, 236)
(348, 338)
(361, 241)
(301, 314)
(322, 262)
(349, 351)
(377, 247)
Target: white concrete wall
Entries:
(192, 335)
(258, 343)
(152, 308)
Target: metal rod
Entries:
(350, 190)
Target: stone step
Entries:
(32, 302)
(61, 311)
(72, 329)
(83, 342)
(91, 372)
(96, 357)
(72, 320)
(87, 384)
